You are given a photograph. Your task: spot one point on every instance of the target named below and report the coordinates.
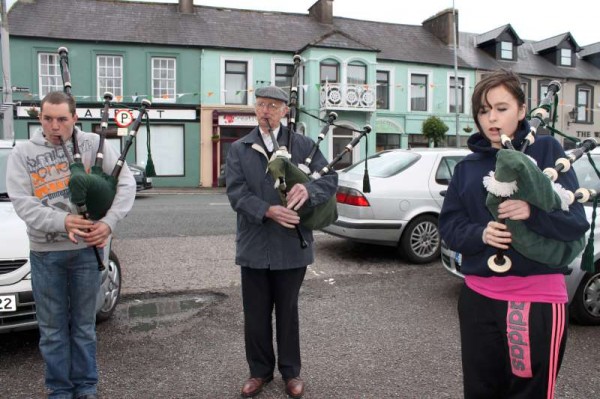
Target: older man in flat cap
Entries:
(273, 263)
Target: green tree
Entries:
(434, 129)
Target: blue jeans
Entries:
(65, 285)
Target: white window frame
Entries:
(47, 88)
(286, 61)
(503, 50)
(168, 149)
(583, 116)
(276, 61)
(564, 57)
(429, 74)
(355, 152)
(466, 95)
(390, 70)
(161, 99)
(249, 87)
(116, 90)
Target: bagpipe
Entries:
(518, 177)
(286, 174)
(93, 193)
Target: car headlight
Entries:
(136, 172)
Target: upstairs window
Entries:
(506, 50)
(236, 82)
(383, 90)
(542, 89)
(526, 87)
(584, 104)
(565, 57)
(329, 71)
(418, 92)
(163, 79)
(357, 73)
(461, 95)
(49, 73)
(284, 74)
(109, 75)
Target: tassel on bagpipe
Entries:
(518, 177)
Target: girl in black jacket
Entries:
(513, 324)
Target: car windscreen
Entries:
(385, 164)
(586, 175)
(3, 161)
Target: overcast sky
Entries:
(532, 20)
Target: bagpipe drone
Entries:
(518, 177)
(286, 174)
(93, 193)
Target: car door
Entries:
(441, 176)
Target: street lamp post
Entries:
(456, 110)
(8, 131)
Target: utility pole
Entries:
(455, 75)
(8, 131)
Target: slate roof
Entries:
(216, 27)
(554, 41)
(529, 63)
(590, 49)
(162, 24)
(495, 33)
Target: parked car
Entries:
(17, 307)
(142, 181)
(404, 203)
(583, 287)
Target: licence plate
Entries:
(8, 303)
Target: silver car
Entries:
(402, 208)
(583, 287)
(17, 307)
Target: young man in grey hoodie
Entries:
(64, 269)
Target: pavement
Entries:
(182, 190)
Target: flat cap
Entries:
(273, 92)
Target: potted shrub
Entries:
(215, 138)
(468, 129)
(434, 129)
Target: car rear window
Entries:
(4, 152)
(586, 175)
(385, 164)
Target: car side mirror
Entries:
(443, 193)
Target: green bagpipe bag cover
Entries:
(96, 190)
(311, 217)
(538, 190)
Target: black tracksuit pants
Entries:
(510, 349)
(263, 289)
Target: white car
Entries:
(402, 208)
(17, 307)
(583, 287)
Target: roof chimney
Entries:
(441, 25)
(186, 6)
(322, 11)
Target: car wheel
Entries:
(112, 288)
(420, 242)
(585, 307)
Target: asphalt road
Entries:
(371, 326)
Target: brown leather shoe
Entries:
(294, 387)
(254, 385)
